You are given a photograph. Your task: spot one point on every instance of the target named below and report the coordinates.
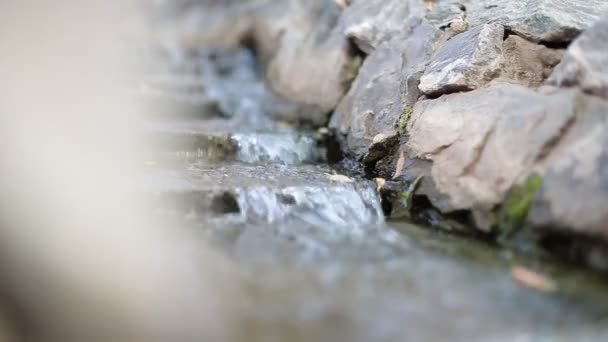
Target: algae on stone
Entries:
(514, 211)
(351, 70)
(402, 205)
(405, 118)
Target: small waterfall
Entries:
(287, 148)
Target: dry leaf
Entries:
(533, 280)
(400, 166)
(339, 178)
(342, 3)
(380, 182)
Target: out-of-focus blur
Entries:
(81, 260)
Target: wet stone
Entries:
(271, 193)
(249, 148)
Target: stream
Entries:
(309, 241)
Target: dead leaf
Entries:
(400, 166)
(533, 280)
(380, 182)
(340, 178)
(342, 3)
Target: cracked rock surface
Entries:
(481, 148)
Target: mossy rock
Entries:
(514, 211)
(351, 69)
(404, 119)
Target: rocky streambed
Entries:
(337, 152)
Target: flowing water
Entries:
(310, 247)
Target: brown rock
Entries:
(586, 62)
(527, 63)
(484, 142)
(465, 62)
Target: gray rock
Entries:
(445, 12)
(536, 20)
(262, 194)
(193, 24)
(586, 62)
(481, 148)
(369, 23)
(527, 63)
(553, 20)
(465, 62)
(574, 194)
(312, 63)
(271, 20)
(386, 85)
(381, 145)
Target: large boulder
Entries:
(484, 142)
(313, 64)
(369, 23)
(574, 195)
(536, 20)
(387, 84)
(586, 62)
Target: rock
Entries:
(527, 63)
(195, 24)
(586, 62)
(370, 23)
(262, 194)
(481, 148)
(381, 145)
(536, 20)
(312, 63)
(287, 148)
(574, 195)
(387, 84)
(465, 62)
(444, 12)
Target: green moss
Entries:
(351, 69)
(406, 196)
(514, 211)
(405, 118)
